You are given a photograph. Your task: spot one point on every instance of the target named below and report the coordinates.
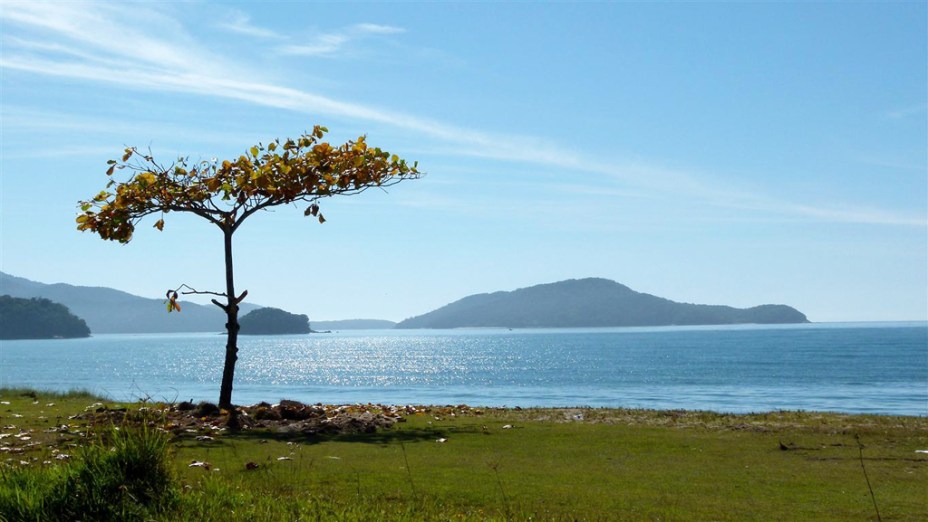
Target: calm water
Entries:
(866, 367)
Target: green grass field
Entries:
(502, 464)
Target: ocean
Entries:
(840, 367)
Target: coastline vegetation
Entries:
(38, 318)
(68, 453)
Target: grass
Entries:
(494, 464)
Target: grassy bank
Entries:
(474, 464)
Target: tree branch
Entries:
(197, 292)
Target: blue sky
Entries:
(724, 153)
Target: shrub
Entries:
(123, 476)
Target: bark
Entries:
(231, 309)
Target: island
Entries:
(591, 302)
(38, 318)
(354, 324)
(273, 321)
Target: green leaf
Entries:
(254, 151)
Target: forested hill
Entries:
(112, 311)
(590, 302)
(38, 319)
(273, 321)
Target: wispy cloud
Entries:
(900, 113)
(239, 22)
(325, 44)
(99, 33)
(87, 42)
(377, 29)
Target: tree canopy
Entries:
(228, 192)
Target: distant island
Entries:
(273, 321)
(354, 324)
(38, 319)
(592, 302)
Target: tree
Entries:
(227, 193)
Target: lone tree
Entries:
(227, 193)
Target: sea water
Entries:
(851, 367)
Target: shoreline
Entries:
(425, 408)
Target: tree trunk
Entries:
(228, 371)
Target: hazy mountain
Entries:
(37, 318)
(589, 303)
(353, 324)
(106, 310)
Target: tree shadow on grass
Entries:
(382, 436)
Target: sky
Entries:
(716, 153)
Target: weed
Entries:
(124, 475)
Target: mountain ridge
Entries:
(107, 310)
(589, 302)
